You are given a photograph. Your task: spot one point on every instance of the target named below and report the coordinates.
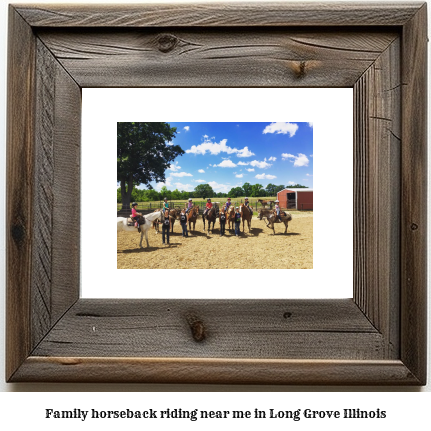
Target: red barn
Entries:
(298, 199)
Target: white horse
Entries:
(149, 218)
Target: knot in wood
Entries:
(414, 226)
(167, 42)
(197, 327)
(18, 233)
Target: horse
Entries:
(122, 225)
(211, 217)
(230, 216)
(272, 218)
(265, 203)
(246, 214)
(263, 212)
(174, 214)
(192, 216)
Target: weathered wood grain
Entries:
(414, 195)
(212, 14)
(377, 148)
(234, 329)
(19, 200)
(228, 58)
(215, 371)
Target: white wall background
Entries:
(408, 409)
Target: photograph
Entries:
(209, 195)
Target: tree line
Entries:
(205, 191)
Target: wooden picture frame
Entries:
(376, 338)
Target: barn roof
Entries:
(296, 190)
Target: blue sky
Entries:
(227, 155)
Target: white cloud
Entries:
(219, 187)
(201, 171)
(186, 128)
(261, 165)
(272, 159)
(226, 164)
(181, 174)
(243, 163)
(283, 128)
(292, 183)
(214, 148)
(174, 167)
(167, 183)
(199, 181)
(250, 170)
(286, 156)
(186, 187)
(239, 175)
(170, 143)
(245, 152)
(298, 161)
(265, 177)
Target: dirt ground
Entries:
(259, 249)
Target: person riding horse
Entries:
(247, 204)
(189, 205)
(227, 204)
(135, 214)
(209, 205)
(165, 205)
(277, 209)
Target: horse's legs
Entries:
(146, 237)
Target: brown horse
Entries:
(211, 217)
(192, 216)
(230, 216)
(174, 214)
(265, 203)
(272, 218)
(246, 214)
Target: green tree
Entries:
(203, 191)
(257, 190)
(176, 195)
(297, 186)
(247, 189)
(270, 189)
(236, 192)
(143, 155)
(165, 193)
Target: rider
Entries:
(209, 205)
(277, 209)
(135, 214)
(227, 204)
(189, 205)
(165, 205)
(247, 204)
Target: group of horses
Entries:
(153, 219)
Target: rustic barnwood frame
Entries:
(378, 337)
